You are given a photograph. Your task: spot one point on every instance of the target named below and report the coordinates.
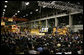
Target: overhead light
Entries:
(68, 2)
(30, 12)
(23, 16)
(26, 14)
(36, 9)
(18, 11)
(5, 6)
(44, 6)
(6, 1)
(15, 13)
(27, 3)
(4, 10)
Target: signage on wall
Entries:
(44, 30)
(10, 19)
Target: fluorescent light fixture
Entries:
(68, 2)
(6, 1)
(15, 13)
(30, 12)
(4, 10)
(23, 16)
(36, 9)
(5, 6)
(26, 14)
(27, 3)
(18, 11)
(44, 6)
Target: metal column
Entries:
(46, 23)
(56, 22)
(34, 24)
(70, 21)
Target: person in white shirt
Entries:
(32, 51)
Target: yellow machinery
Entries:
(60, 31)
(36, 32)
(14, 28)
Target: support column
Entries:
(70, 21)
(46, 23)
(34, 24)
(31, 24)
(56, 22)
(40, 23)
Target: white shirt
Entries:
(68, 52)
(79, 52)
(59, 53)
(32, 52)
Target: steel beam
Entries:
(59, 15)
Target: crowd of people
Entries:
(13, 43)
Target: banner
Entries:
(10, 19)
